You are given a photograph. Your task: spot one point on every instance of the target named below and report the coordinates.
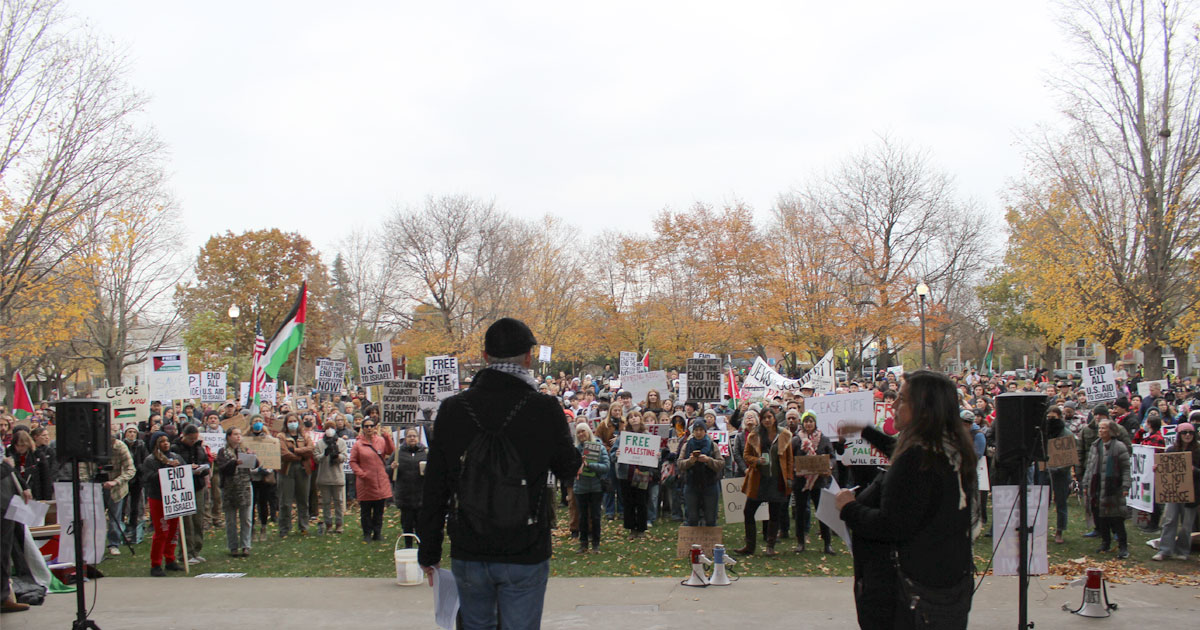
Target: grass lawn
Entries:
(653, 556)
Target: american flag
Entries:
(258, 376)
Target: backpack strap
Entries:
(511, 414)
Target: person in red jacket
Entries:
(373, 484)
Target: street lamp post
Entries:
(234, 311)
(922, 293)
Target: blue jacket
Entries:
(595, 469)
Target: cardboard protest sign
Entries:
(1143, 387)
(1006, 517)
(855, 410)
(267, 450)
(812, 464)
(1100, 384)
(399, 404)
(638, 449)
(629, 363)
(734, 502)
(237, 421)
(374, 362)
(1141, 477)
(194, 386)
(704, 380)
(167, 375)
(212, 387)
(178, 491)
(706, 537)
(721, 439)
(1062, 452)
(331, 376)
(641, 383)
(1173, 478)
(443, 370)
(128, 405)
(214, 441)
(544, 354)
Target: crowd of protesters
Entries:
(337, 454)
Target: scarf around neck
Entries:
(516, 370)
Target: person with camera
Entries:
(408, 465)
(162, 545)
(331, 482)
(700, 465)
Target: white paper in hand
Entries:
(828, 513)
(445, 598)
(32, 514)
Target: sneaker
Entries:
(157, 572)
(1092, 534)
(1179, 556)
(195, 560)
(114, 551)
(245, 552)
(1122, 554)
(1159, 557)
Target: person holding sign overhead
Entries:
(162, 546)
(1178, 518)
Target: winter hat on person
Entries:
(1070, 404)
(154, 438)
(1185, 426)
(1100, 410)
(508, 337)
(698, 423)
(967, 415)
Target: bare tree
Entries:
(362, 286)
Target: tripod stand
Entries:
(81, 619)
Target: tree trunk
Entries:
(1152, 361)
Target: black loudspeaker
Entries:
(1021, 426)
(82, 430)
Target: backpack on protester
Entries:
(495, 504)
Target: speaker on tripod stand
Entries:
(1021, 437)
(83, 435)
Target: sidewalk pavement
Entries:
(181, 603)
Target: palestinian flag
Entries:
(987, 356)
(646, 362)
(22, 406)
(289, 336)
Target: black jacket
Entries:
(194, 454)
(406, 489)
(542, 440)
(149, 474)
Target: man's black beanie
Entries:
(508, 337)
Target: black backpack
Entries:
(493, 500)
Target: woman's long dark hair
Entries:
(933, 403)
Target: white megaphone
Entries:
(698, 559)
(1095, 596)
(719, 560)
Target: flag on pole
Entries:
(646, 361)
(22, 403)
(258, 376)
(289, 336)
(987, 356)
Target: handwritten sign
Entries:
(639, 384)
(1141, 477)
(859, 452)
(1173, 478)
(842, 410)
(178, 491)
(267, 450)
(215, 441)
(812, 464)
(128, 405)
(721, 439)
(639, 449)
(734, 502)
(706, 537)
(1062, 452)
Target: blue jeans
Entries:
(701, 503)
(652, 504)
(518, 591)
(115, 525)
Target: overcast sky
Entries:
(323, 117)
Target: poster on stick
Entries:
(641, 383)
(1100, 384)
(374, 362)
(168, 377)
(212, 387)
(1141, 478)
(704, 380)
(733, 501)
(1173, 478)
(400, 403)
(544, 353)
(444, 372)
(629, 363)
(639, 449)
(178, 491)
(194, 386)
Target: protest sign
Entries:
(167, 375)
(399, 404)
(821, 376)
(128, 405)
(349, 449)
(854, 410)
(1143, 388)
(178, 491)
(194, 386)
(1062, 452)
(269, 393)
(427, 396)
(721, 439)
(734, 502)
(267, 450)
(981, 473)
(629, 363)
(1173, 478)
(1006, 517)
(885, 418)
(331, 376)
(444, 372)
(639, 449)
(302, 403)
(812, 464)
(544, 354)
(641, 383)
(681, 394)
(244, 393)
(896, 370)
(237, 421)
(1100, 384)
(214, 441)
(704, 355)
(704, 380)
(859, 452)
(374, 362)
(1141, 478)
(212, 387)
(95, 526)
(706, 537)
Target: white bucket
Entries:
(408, 571)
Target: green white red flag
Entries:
(289, 336)
(22, 403)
